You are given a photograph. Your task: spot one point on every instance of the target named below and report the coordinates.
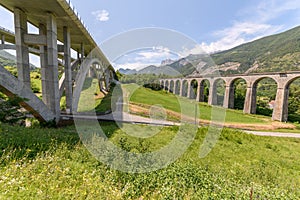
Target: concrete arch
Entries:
(193, 89)
(167, 85)
(257, 80)
(185, 87)
(177, 87)
(251, 94)
(229, 98)
(281, 107)
(213, 95)
(172, 85)
(288, 83)
(12, 87)
(204, 90)
(84, 69)
(162, 84)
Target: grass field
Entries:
(178, 104)
(53, 164)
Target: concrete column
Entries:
(212, 98)
(2, 39)
(22, 50)
(198, 91)
(250, 99)
(68, 70)
(189, 90)
(201, 92)
(280, 112)
(107, 79)
(229, 97)
(49, 67)
(43, 61)
(181, 88)
(174, 87)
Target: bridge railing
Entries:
(6, 30)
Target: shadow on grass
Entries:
(17, 143)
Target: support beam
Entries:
(22, 50)
(198, 96)
(35, 39)
(212, 99)
(189, 89)
(250, 100)
(229, 97)
(181, 88)
(68, 70)
(280, 112)
(49, 67)
(2, 39)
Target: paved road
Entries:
(129, 118)
(275, 134)
(123, 117)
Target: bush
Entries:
(153, 86)
(294, 118)
(9, 111)
(264, 111)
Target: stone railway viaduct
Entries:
(183, 87)
(61, 31)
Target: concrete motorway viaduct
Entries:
(183, 87)
(60, 30)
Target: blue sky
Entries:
(214, 25)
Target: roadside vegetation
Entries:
(39, 163)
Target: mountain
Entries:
(127, 71)
(276, 53)
(7, 59)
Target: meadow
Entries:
(40, 163)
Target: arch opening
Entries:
(177, 87)
(171, 89)
(293, 100)
(185, 88)
(204, 91)
(194, 89)
(266, 89)
(239, 89)
(219, 85)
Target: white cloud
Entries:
(142, 58)
(239, 33)
(256, 24)
(135, 65)
(157, 53)
(101, 15)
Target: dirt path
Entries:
(143, 110)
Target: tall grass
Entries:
(53, 164)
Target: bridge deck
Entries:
(36, 12)
(9, 36)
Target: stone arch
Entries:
(193, 89)
(184, 92)
(162, 84)
(255, 90)
(283, 98)
(235, 94)
(167, 85)
(177, 87)
(172, 85)
(217, 92)
(204, 90)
